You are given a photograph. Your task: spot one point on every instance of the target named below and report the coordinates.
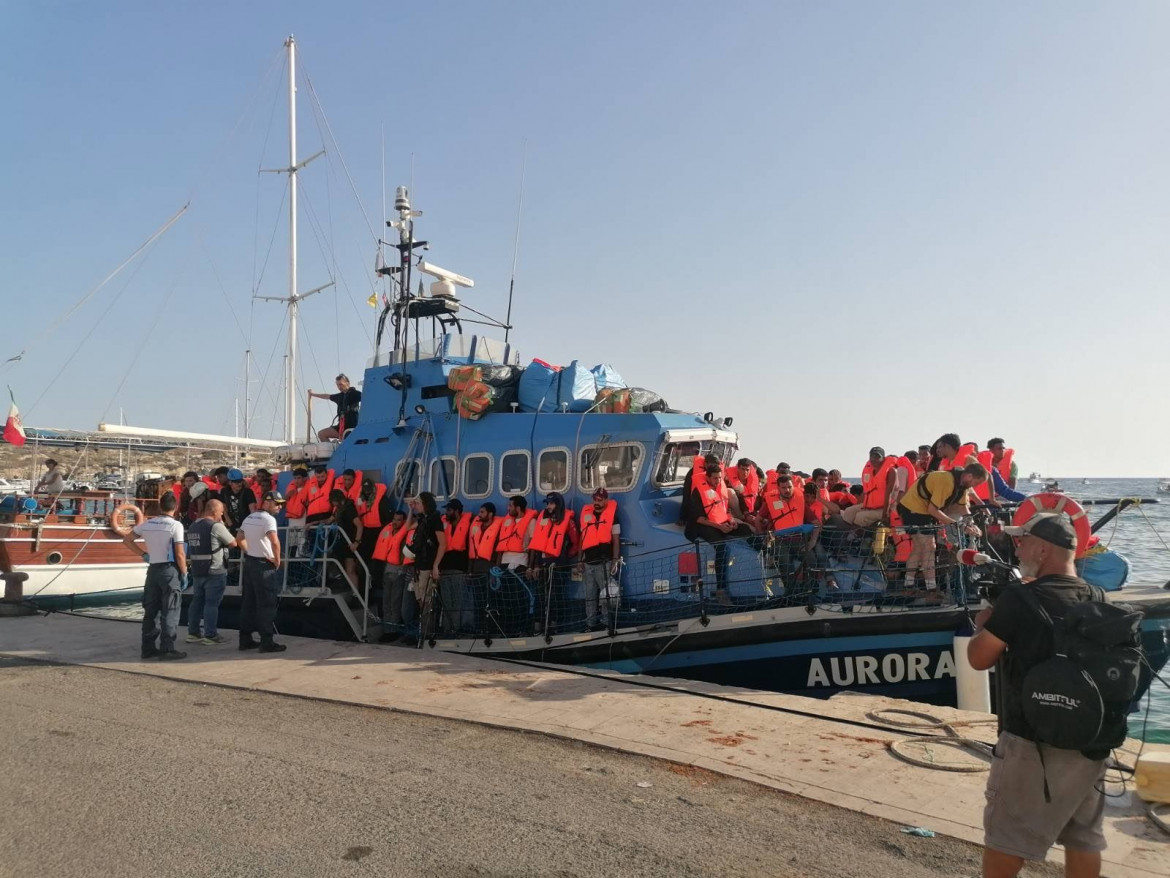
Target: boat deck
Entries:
(828, 751)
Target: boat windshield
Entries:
(676, 459)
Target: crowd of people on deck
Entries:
(910, 497)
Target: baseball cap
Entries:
(274, 496)
(601, 494)
(234, 475)
(1053, 528)
(877, 449)
(454, 503)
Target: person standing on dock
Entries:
(166, 576)
(208, 542)
(1037, 795)
(261, 577)
(429, 545)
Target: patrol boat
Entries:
(453, 413)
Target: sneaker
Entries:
(212, 641)
(171, 655)
(194, 638)
(248, 644)
(272, 647)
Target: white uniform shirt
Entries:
(160, 534)
(256, 528)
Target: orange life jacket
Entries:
(481, 541)
(873, 484)
(784, 513)
(1005, 465)
(549, 536)
(750, 489)
(512, 531)
(296, 503)
(843, 499)
(318, 495)
(903, 542)
(388, 548)
(371, 512)
(983, 490)
(597, 530)
(714, 503)
(960, 459)
(457, 533)
(355, 490)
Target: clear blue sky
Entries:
(845, 224)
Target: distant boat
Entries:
(1084, 481)
(1164, 486)
(1052, 485)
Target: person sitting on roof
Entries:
(348, 400)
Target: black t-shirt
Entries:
(1029, 640)
(347, 516)
(425, 543)
(237, 505)
(348, 403)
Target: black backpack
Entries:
(1079, 698)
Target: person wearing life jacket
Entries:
(817, 561)
(296, 508)
(190, 508)
(936, 499)
(784, 504)
(1002, 460)
(262, 482)
(878, 482)
(903, 542)
(373, 508)
(481, 541)
(924, 458)
(555, 541)
(599, 556)
(349, 484)
(698, 467)
(458, 604)
(318, 488)
(388, 552)
(835, 479)
(713, 523)
(515, 534)
(743, 480)
(820, 478)
(950, 452)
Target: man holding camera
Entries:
(1037, 794)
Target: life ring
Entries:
(117, 522)
(1050, 502)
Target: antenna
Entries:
(516, 244)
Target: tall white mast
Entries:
(294, 298)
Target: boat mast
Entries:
(294, 298)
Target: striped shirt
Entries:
(160, 534)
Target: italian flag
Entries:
(13, 428)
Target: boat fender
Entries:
(117, 519)
(972, 687)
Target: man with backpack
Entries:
(1046, 779)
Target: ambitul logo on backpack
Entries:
(1056, 700)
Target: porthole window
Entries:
(552, 470)
(515, 473)
(477, 476)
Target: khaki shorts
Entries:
(1019, 822)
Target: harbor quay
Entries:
(358, 759)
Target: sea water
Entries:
(1140, 533)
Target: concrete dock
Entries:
(825, 751)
